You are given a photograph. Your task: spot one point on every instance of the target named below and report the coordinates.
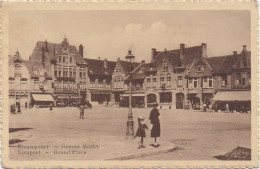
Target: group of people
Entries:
(16, 108)
(154, 127)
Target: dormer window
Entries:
(165, 64)
(200, 66)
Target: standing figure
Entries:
(141, 131)
(156, 129)
(25, 105)
(51, 108)
(18, 108)
(81, 109)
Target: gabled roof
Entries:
(127, 66)
(33, 66)
(97, 67)
(54, 50)
(174, 58)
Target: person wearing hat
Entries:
(156, 128)
(141, 131)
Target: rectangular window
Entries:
(224, 80)
(166, 97)
(70, 59)
(92, 84)
(195, 81)
(191, 83)
(59, 58)
(205, 82)
(11, 83)
(74, 72)
(179, 82)
(161, 81)
(55, 71)
(169, 82)
(210, 82)
(243, 81)
(148, 82)
(36, 84)
(100, 84)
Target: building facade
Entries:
(28, 80)
(66, 66)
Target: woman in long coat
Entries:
(154, 119)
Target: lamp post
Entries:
(130, 122)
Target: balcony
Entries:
(208, 90)
(65, 78)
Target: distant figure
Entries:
(18, 108)
(226, 108)
(141, 131)
(81, 109)
(13, 109)
(204, 107)
(25, 105)
(51, 108)
(156, 129)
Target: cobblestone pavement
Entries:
(197, 135)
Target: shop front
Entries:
(194, 101)
(239, 101)
(137, 100)
(42, 100)
(100, 97)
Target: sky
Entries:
(109, 34)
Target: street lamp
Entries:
(130, 122)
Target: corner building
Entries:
(67, 67)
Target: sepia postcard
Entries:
(129, 84)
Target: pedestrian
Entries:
(141, 131)
(81, 109)
(156, 128)
(51, 108)
(19, 108)
(25, 105)
(12, 109)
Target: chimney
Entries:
(54, 50)
(153, 53)
(105, 63)
(244, 47)
(143, 62)
(43, 57)
(81, 50)
(46, 45)
(204, 50)
(235, 53)
(182, 51)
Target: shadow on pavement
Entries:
(239, 153)
(13, 141)
(11, 130)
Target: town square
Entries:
(197, 135)
(119, 87)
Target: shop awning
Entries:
(43, 97)
(134, 94)
(233, 96)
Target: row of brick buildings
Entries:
(176, 79)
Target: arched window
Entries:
(162, 80)
(169, 81)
